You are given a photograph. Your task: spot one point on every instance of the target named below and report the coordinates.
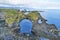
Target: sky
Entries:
(37, 4)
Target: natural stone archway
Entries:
(39, 30)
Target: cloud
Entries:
(46, 5)
(37, 4)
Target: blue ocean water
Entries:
(25, 26)
(52, 16)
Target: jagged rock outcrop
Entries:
(38, 30)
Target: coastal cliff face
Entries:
(10, 30)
